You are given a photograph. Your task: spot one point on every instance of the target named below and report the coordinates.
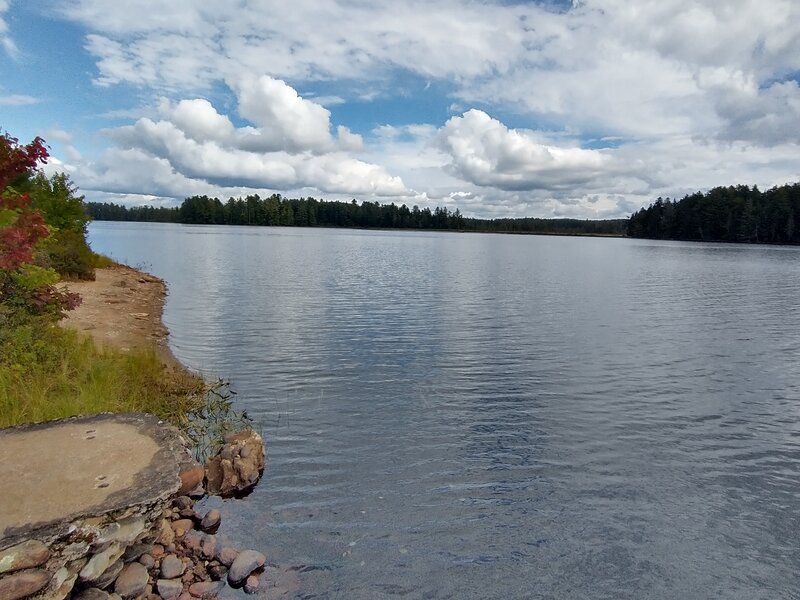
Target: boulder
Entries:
(132, 581)
(237, 467)
(31, 553)
(171, 567)
(211, 520)
(206, 589)
(23, 584)
(169, 588)
(226, 555)
(247, 562)
(191, 478)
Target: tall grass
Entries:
(54, 373)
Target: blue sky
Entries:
(586, 109)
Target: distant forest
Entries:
(310, 212)
(724, 214)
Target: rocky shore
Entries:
(123, 535)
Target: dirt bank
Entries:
(122, 309)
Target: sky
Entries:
(586, 109)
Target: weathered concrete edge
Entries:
(153, 485)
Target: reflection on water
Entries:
(482, 416)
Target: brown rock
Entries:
(227, 555)
(184, 502)
(191, 477)
(132, 581)
(217, 572)
(182, 526)
(211, 520)
(193, 542)
(252, 584)
(206, 589)
(23, 584)
(166, 534)
(185, 596)
(157, 551)
(209, 547)
(31, 553)
(238, 466)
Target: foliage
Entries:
(207, 425)
(724, 214)
(26, 290)
(310, 212)
(51, 373)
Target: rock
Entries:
(189, 513)
(182, 526)
(92, 594)
(132, 581)
(206, 589)
(211, 520)
(100, 562)
(251, 585)
(185, 596)
(166, 534)
(227, 555)
(191, 477)
(136, 550)
(200, 573)
(184, 502)
(157, 551)
(169, 588)
(31, 553)
(237, 467)
(171, 567)
(209, 547)
(23, 584)
(110, 574)
(193, 542)
(62, 583)
(217, 572)
(124, 532)
(247, 562)
(148, 561)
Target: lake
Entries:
(500, 416)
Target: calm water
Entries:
(484, 416)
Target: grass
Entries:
(53, 373)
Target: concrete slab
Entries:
(54, 473)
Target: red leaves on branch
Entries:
(16, 160)
(26, 228)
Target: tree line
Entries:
(724, 214)
(311, 212)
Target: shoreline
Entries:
(123, 309)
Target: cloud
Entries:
(18, 100)
(5, 39)
(289, 145)
(485, 152)
(685, 95)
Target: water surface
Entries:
(488, 416)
